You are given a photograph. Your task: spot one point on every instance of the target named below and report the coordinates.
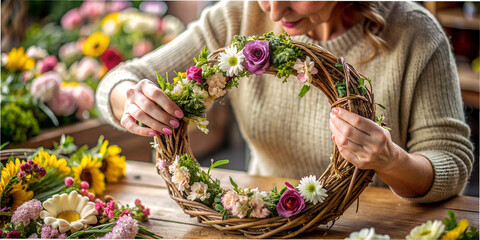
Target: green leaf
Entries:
(304, 91)
(235, 186)
(3, 145)
(216, 164)
(218, 207)
(339, 66)
(49, 113)
(161, 81)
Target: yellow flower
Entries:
(17, 60)
(49, 162)
(111, 24)
(89, 171)
(95, 44)
(457, 231)
(19, 195)
(113, 165)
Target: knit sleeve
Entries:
(215, 28)
(437, 128)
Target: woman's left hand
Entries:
(362, 142)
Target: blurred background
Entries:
(70, 45)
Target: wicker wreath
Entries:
(342, 181)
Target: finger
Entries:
(158, 96)
(150, 108)
(128, 122)
(363, 124)
(351, 157)
(344, 143)
(347, 130)
(146, 119)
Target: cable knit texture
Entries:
(290, 137)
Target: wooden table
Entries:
(379, 207)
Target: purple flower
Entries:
(257, 57)
(126, 228)
(49, 232)
(290, 203)
(14, 234)
(195, 74)
(27, 211)
(158, 7)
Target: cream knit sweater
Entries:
(290, 137)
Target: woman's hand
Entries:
(362, 142)
(142, 104)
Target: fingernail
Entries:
(335, 110)
(152, 133)
(174, 123)
(167, 131)
(178, 113)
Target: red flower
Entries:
(111, 58)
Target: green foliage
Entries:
(285, 53)
(304, 91)
(339, 66)
(341, 88)
(202, 58)
(216, 164)
(49, 37)
(65, 146)
(17, 124)
(271, 200)
(451, 221)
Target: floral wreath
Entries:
(278, 213)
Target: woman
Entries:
(426, 157)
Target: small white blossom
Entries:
(229, 61)
(427, 231)
(367, 234)
(198, 191)
(305, 70)
(311, 190)
(36, 52)
(216, 84)
(175, 165)
(181, 178)
(201, 123)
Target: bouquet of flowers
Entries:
(51, 78)
(48, 195)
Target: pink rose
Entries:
(290, 203)
(142, 47)
(92, 9)
(46, 86)
(117, 6)
(47, 64)
(195, 74)
(63, 104)
(72, 19)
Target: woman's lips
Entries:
(290, 24)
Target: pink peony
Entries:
(63, 104)
(86, 68)
(46, 86)
(47, 64)
(195, 74)
(92, 9)
(142, 47)
(84, 97)
(72, 19)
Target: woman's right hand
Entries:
(142, 104)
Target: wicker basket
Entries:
(20, 153)
(343, 181)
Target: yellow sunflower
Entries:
(17, 60)
(95, 44)
(49, 162)
(89, 171)
(113, 165)
(18, 194)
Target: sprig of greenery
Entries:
(285, 53)
(272, 199)
(380, 121)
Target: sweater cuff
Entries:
(445, 175)
(104, 89)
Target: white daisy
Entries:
(230, 60)
(311, 190)
(69, 212)
(198, 191)
(367, 234)
(426, 231)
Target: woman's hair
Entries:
(373, 25)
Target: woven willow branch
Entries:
(344, 182)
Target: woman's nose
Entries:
(278, 9)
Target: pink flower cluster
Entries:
(48, 232)
(145, 210)
(125, 228)
(30, 168)
(26, 212)
(239, 205)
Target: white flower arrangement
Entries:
(311, 190)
